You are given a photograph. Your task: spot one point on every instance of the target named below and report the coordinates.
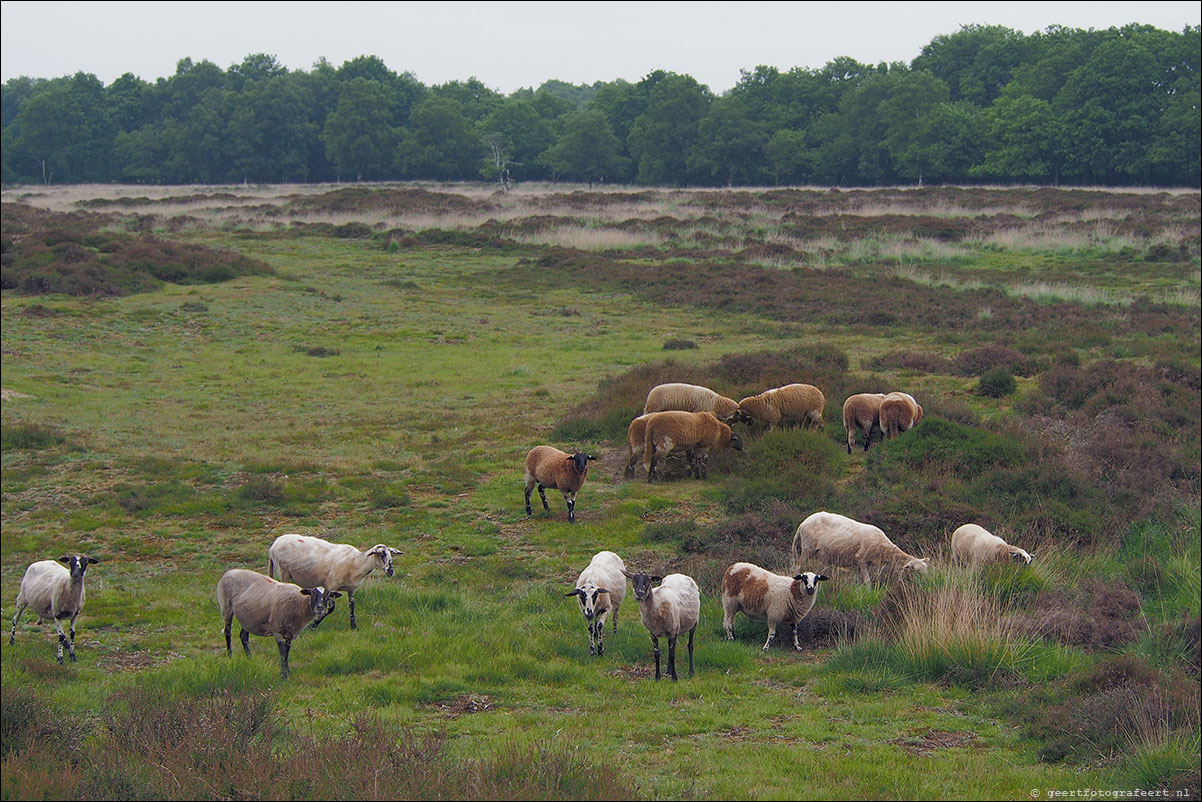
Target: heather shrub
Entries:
(790, 465)
(978, 361)
(996, 383)
(910, 360)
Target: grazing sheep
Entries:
(695, 433)
(268, 608)
(547, 466)
(636, 433)
(54, 592)
(830, 539)
(764, 596)
(667, 611)
(975, 545)
(794, 403)
(600, 589)
(310, 562)
(861, 411)
(677, 397)
(898, 412)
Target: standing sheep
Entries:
(677, 397)
(54, 592)
(861, 411)
(268, 608)
(311, 561)
(899, 412)
(974, 545)
(695, 433)
(667, 611)
(827, 538)
(547, 466)
(636, 434)
(794, 403)
(600, 589)
(764, 596)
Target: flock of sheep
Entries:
(677, 418)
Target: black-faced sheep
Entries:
(600, 589)
(667, 611)
(792, 404)
(764, 596)
(899, 412)
(695, 433)
(678, 397)
(975, 545)
(547, 466)
(826, 538)
(54, 592)
(861, 411)
(310, 562)
(268, 608)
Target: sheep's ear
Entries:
(657, 579)
(65, 560)
(798, 576)
(590, 456)
(336, 594)
(602, 590)
(306, 592)
(821, 578)
(394, 551)
(576, 592)
(92, 559)
(627, 574)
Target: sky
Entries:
(511, 45)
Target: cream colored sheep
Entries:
(826, 538)
(600, 589)
(862, 411)
(547, 466)
(310, 562)
(899, 412)
(692, 398)
(667, 611)
(975, 545)
(55, 593)
(695, 433)
(764, 596)
(794, 403)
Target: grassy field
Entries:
(381, 380)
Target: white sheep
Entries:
(861, 411)
(695, 433)
(827, 538)
(764, 596)
(667, 611)
(547, 466)
(679, 397)
(269, 608)
(600, 589)
(899, 412)
(975, 545)
(54, 592)
(794, 403)
(311, 561)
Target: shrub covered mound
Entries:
(48, 252)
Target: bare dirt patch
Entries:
(465, 704)
(928, 741)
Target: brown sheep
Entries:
(862, 411)
(794, 403)
(679, 397)
(898, 412)
(764, 596)
(547, 466)
(695, 433)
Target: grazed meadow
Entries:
(375, 365)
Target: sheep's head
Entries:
(580, 461)
(921, 565)
(384, 555)
(588, 596)
(1018, 555)
(810, 580)
(77, 564)
(321, 602)
(736, 442)
(642, 583)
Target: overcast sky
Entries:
(509, 45)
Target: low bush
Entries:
(996, 383)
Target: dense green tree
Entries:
(588, 150)
(976, 62)
(440, 143)
(359, 138)
(729, 148)
(515, 132)
(1021, 140)
(661, 137)
(476, 101)
(947, 141)
(789, 157)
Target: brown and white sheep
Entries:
(547, 466)
(600, 589)
(764, 596)
(54, 592)
(667, 611)
(310, 562)
(268, 608)
(695, 433)
(899, 412)
(861, 411)
(826, 538)
(678, 397)
(792, 404)
(975, 545)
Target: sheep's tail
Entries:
(270, 566)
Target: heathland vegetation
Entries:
(984, 104)
(190, 372)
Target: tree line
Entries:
(986, 104)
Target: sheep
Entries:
(831, 539)
(677, 397)
(695, 433)
(975, 545)
(54, 592)
(266, 607)
(764, 596)
(898, 413)
(793, 403)
(667, 611)
(861, 411)
(636, 434)
(547, 466)
(311, 561)
(600, 589)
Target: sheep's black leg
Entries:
(12, 635)
(655, 648)
(350, 597)
(71, 643)
(571, 500)
(796, 643)
(61, 640)
(284, 645)
(592, 637)
(691, 631)
(528, 510)
(244, 636)
(600, 625)
(672, 657)
(227, 631)
(542, 493)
